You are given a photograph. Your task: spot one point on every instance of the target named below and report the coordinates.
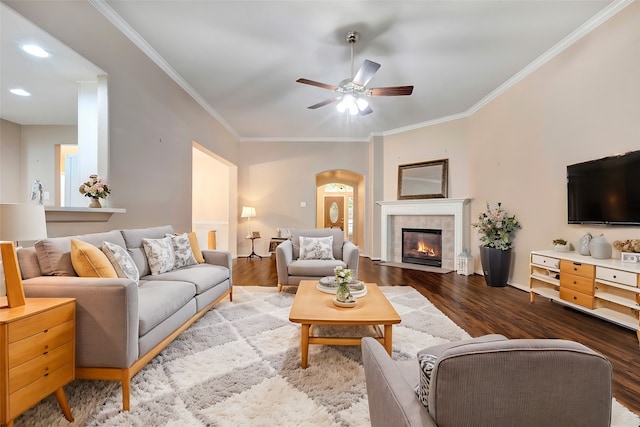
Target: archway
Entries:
(347, 178)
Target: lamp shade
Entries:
(248, 212)
(22, 222)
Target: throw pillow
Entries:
(159, 254)
(182, 250)
(90, 261)
(121, 260)
(316, 247)
(195, 247)
(426, 362)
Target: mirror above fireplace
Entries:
(424, 180)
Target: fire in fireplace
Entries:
(422, 246)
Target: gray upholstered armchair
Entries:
(491, 381)
(292, 267)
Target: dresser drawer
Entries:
(41, 366)
(545, 261)
(38, 344)
(577, 268)
(27, 396)
(576, 283)
(577, 298)
(40, 322)
(611, 275)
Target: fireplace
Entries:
(422, 246)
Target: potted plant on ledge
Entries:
(495, 227)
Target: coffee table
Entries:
(312, 307)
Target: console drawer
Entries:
(577, 298)
(545, 261)
(611, 275)
(576, 283)
(577, 268)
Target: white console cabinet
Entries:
(607, 288)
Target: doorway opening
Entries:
(339, 203)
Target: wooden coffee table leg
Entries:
(387, 338)
(304, 345)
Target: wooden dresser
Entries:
(37, 354)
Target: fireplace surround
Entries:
(452, 216)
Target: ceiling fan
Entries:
(353, 90)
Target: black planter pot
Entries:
(495, 265)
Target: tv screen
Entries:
(605, 191)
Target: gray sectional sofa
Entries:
(120, 324)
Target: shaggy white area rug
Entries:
(239, 365)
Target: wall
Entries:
(10, 161)
(152, 121)
(38, 145)
(275, 177)
(583, 104)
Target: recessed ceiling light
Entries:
(35, 50)
(19, 92)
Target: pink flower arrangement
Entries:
(95, 188)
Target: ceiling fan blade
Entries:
(323, 103)
(390, 91)
(366, 72)
(366, 111)
(318, 84)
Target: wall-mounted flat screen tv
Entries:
(605, 191)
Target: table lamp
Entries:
(18, 222)
(248, 212)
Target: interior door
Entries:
(334, 212)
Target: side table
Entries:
(253, 252)
(273, 244)
(37, 354)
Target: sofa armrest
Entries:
(351, 256)
(392, 401)
(284, 257)
(222, 258)
(106, 316)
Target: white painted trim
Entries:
(459, 208)
(616, 6)
(103, 7)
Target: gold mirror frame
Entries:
(423, 180)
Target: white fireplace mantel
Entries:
(459, 208)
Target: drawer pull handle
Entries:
(47, 374)
(575, 298)
(575, 283)
(45, 353)
(615, 277)
(45, 331)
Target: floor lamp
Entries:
(18, 222)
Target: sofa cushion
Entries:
(28, 261)
(90, 261)
(338, 239)
(54, 254)
(133, 242)
(160, 254)
(121, 261)
(203, 276)
(316, 247)
(183, 255)
(158, 300)
(314, 267)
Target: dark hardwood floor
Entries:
(480, 309)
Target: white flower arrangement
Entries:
(95, 188)
(343, 275)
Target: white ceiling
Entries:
(241, 59)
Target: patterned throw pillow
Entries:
(159, 254)
(195, 247)
(426, 362)
(89, 261)
(316, 247)
(121, 260)
(182, 250)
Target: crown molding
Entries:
(105, 9)
(613, 8)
